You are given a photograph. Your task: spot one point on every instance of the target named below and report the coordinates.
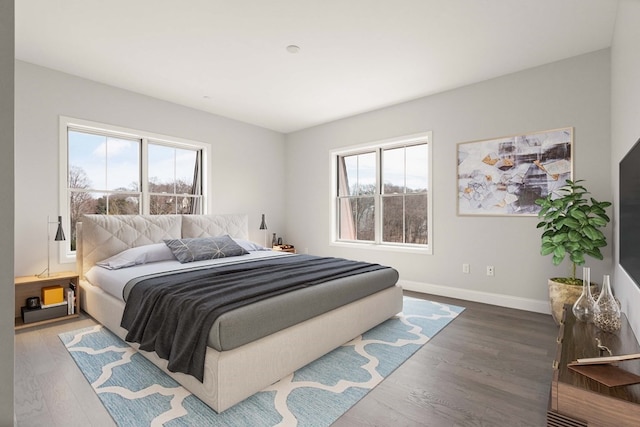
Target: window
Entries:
(174, 184)
(382, 193)
(115, 171)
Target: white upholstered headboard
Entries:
(101, 236)
(215, 225)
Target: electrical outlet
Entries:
(465, 268)
(490, 270)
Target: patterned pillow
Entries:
(201, 248)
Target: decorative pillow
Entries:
(138, 255)
(201, 248)
(249, 246)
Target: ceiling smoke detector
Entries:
(292, 48)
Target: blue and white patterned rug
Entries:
(137, 393)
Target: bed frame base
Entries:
(232, 376)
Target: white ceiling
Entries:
(229, 57)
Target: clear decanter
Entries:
(584, 305)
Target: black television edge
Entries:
(630, 213)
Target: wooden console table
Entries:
(580, 401)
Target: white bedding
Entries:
(113, 281)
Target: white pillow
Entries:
(250, 246)
(138, 255)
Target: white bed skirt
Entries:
(232, 376)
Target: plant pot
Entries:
(563, 293)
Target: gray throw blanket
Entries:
(173, 313)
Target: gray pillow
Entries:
(201, 248)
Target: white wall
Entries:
(625, 130)
(6, 211)
(247, 162)
(573, 92)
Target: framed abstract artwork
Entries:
(505, 176)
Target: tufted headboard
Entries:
(102, 236)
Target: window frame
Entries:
(65, 123)
(378, 147)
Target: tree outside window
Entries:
(105, 176)
(404, 199)
(383, 194)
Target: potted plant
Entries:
(570, 224)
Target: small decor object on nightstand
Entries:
(285, 248)
(52, 295)
(33, 303)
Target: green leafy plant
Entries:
(571, 226)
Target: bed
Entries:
(234, 367)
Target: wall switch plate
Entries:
(490, 270)
(465, 268)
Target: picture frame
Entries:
(504, 176)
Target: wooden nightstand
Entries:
(284, 248)
(31, 286)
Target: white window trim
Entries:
(385, 246)
(66, 255)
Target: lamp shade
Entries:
(263, 224)
(60, 232)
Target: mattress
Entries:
(246, 324)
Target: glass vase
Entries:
(606, 312)
(584, 305)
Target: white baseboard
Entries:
(519, 303)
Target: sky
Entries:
(397, 162)
(112, 163)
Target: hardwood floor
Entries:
(490, 367)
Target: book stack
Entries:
(71, 299)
